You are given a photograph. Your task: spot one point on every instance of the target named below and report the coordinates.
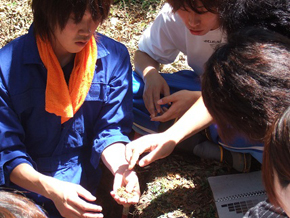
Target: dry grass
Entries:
(15, 19)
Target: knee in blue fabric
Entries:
(239, 144)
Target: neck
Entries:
(65, 59)
(63, 56)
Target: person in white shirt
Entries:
(194, 31)
(161, 98)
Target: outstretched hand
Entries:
(71, 200)
(157, 145)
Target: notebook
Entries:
(235, 194)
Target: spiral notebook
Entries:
(235, 194)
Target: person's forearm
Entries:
(144, 64)
(194, 120)
(28, 178)
(114, 158)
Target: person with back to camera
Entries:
(65, 105)
(239, 13)
(190, 27)
(275, 170)
(248, 88)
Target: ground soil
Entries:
(176, 186)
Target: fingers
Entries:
(135, 149)
(166, 116)
(90, 215)
(149, 104)
(150, 143)
(149, 158)
(166, 100)
(156, 97)
(134, 158)
(153, 89)
(76, 207)
(82, 204)
(83, 207)
(166, 91)
(130, 179)
(131, 155)
(85, 194)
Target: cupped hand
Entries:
(180, 102)
(128, 179)
(157, 145)
(154, 86)
(72, 200)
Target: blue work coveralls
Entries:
(70, 151)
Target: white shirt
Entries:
(168, 35)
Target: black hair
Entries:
(270, 14)
(209, 5)
(246, 82)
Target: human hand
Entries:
(180, 102)
(129, 180)
(71, 200)
(158, 146)
(154, 86)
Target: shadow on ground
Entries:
(175, 186)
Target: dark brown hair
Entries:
(270, 14)
(14, 205)
(276, 156)
(246, 83)
(49, 13)
(209, 5)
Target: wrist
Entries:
(173, 136)
(47, 184)
(122, 169)
(149, 72)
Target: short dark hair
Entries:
(276, 156)
(210, 5)
(270, 14)
(246, 83)
(49, 13)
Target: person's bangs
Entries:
(208, 6)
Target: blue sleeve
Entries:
(12, 149)
(116, 116)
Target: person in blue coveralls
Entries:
(65, 105)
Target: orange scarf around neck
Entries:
(60, 99)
